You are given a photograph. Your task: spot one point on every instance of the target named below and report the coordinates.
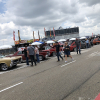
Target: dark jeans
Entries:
(27, 61)
(87, 45)
(59, 55)
(37, 57)
(78, 49)
(32, 59)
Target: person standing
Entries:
(67, 51)
(37, 54)
(78, 46)
(58, 51)
(26, 56)
(87, 43)
(31, 53)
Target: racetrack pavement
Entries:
(52, 80)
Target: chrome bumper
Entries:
(13, 63)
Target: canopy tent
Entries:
(36, 43)
(5, 47)
(73, 39)
(62, 40)
(50, 41)
(39, 42)
(82, 37)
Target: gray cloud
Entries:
(29, 15)
(41, 13)
(90, 2)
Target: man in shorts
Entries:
(67, 51)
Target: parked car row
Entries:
(42, 55)
(44, 52)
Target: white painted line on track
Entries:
(13, 70)
(3, 72)
(10, 87)
(21, 67)
(92, 55)
(68, 63)
(41, 61)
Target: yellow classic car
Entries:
(8, 62)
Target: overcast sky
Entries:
(33, 15)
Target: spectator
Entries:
(31, 53)
(78, 46)
(37, 53)
(25, 54)
(58, 51)
(67, 51)
(87, 43)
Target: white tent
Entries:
(36, 43)
(5, 47)
(50, 41)
(82, 37)
(62, 40)
(73, 39)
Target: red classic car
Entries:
(49, 49)
(42, 55)
(71, 44)
(96, 41)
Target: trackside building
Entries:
(64, 33)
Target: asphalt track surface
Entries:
(52, 80)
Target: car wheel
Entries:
(84, 47)
(4, 67)
(40, 58)
(75, 49)
(53, 54)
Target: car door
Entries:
(83, 45)
(73, 45)
(21, 53)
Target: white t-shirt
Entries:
(37, 51)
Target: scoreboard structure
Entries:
(64, 33)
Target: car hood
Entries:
(46, 50)
(10, 58)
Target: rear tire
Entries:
(74, 49)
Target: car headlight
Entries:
(48, 53)
(11, 61)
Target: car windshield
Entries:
(83, 40)
(47, 47)
(1, 56)
(70, 42)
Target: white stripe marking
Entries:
(92, 55)
(13, 70)
(68, 63)
(10, 87)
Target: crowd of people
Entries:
(66, 48)
(33, 52)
